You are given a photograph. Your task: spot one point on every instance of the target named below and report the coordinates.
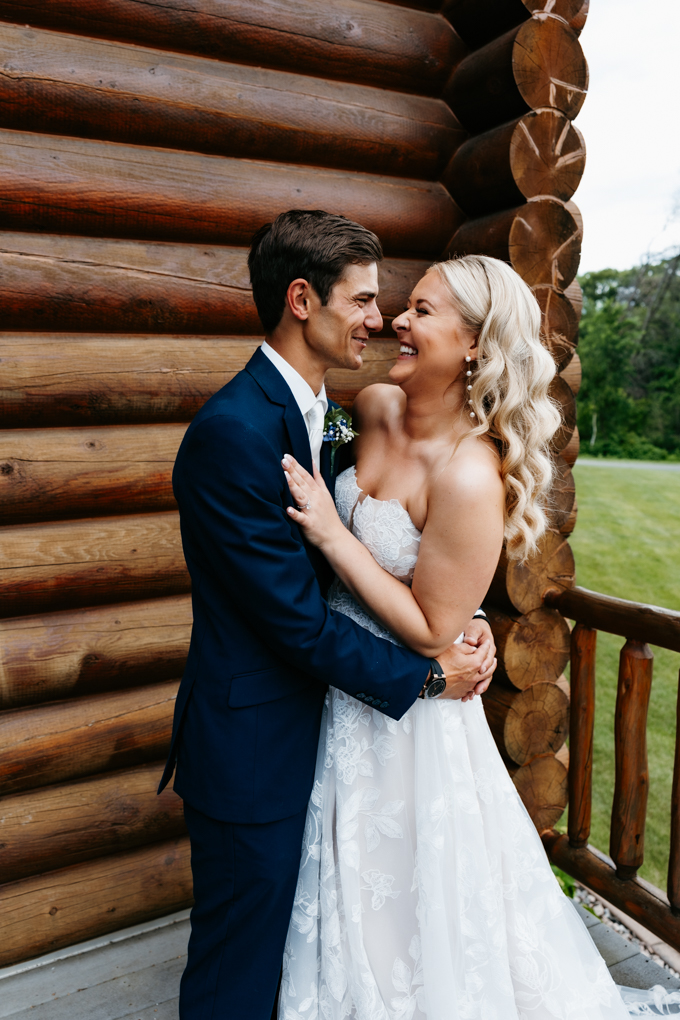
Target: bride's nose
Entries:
(400, 323)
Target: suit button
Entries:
(385, 704)
(360, 695)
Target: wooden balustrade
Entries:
(581, 731)
(629, 810)
(674, 859)
(615, 878)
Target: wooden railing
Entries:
(615, 878)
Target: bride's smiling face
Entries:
(434, 340)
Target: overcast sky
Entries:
(631, 124)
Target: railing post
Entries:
(674, 858)
(629, 809)
(581, 727)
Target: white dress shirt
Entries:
(312, 406)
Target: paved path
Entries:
(643, 465)
(136, 977)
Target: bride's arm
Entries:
(459, 551)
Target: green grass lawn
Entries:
(627, 543)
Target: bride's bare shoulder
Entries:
(473, 476)
(376, 404)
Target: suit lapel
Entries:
(298, 435)
(277, 389)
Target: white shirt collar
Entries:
(301, 390)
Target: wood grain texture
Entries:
(47, 912)
(559, 324)
(635, 896)
(526, 583)
(578, 22)
(562, 394)
(64, 825)
(353, 40)
(570, 452)
(542, 785)
(573, 374)
(562, 495)
(616, 616)
(575, 295)
(89, 88)
(89, 651)
(480, 21)
(673, 887)
(540, 240)
(539, 64)
(631, 787)
(62, 565)
(528, 723)
(107, 188)
(530, 648)
(97, 285)
(542, 153)
(65, 740)
(581, 730)
(87, 472)
(60, 380)
(567, 528)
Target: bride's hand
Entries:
(319, 518)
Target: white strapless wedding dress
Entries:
(424, 890)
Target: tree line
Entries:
(629, 344)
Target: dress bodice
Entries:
(386, 529)
(382, 525)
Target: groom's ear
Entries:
(297, 299)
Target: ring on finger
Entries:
(307, 506)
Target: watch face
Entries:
(436, 688)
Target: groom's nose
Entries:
(373, 320)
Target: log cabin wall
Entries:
(141, 146)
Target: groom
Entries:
(265, 644)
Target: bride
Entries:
(424, 890)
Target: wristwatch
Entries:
(435, 685)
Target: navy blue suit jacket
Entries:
(265, 643)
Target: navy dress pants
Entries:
(244, 886)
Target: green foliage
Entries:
(629, 403)
(566, 882)
(627, 543)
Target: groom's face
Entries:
(339, 331)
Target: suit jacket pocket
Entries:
(265, 685)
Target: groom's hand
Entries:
(476, 633)
(468, 669)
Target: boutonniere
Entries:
(337, 430)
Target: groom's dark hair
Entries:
(309, 244)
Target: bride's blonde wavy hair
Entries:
(509, 387)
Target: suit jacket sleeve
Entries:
(232, 494)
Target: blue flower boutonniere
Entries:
(337, 430)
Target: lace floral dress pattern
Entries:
(424, 891)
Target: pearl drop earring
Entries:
(468, 373)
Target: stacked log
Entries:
(142, 145)
(517, 92)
